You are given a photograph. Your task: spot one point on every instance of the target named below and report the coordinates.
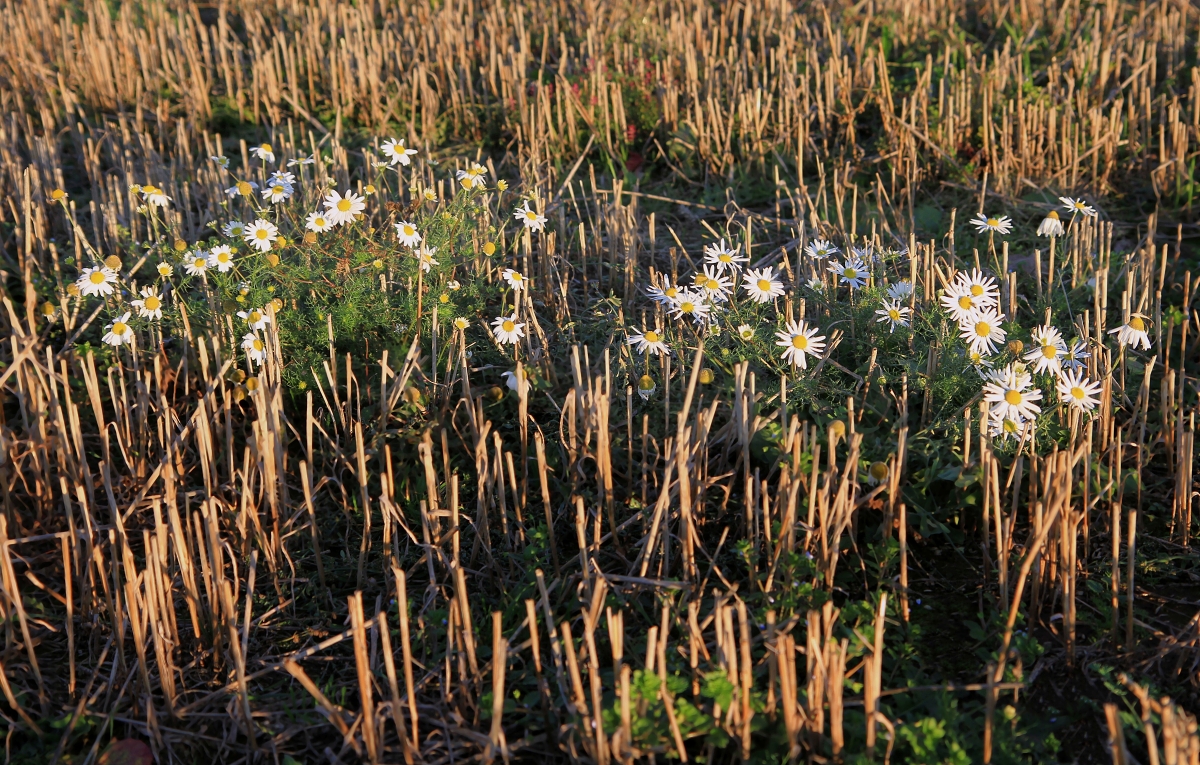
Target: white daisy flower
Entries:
(472, 177)
(533, 220)
(512, 381)
(979, 286)
(196, 263)
(646, 387)
(1011, 397)
(119, 332)
(665, 295)
(1076, 353)
(1133, 332)
(222, 161)
(241, 189)
(762, 285)
(429, 195)
(1050, 225)
(981, 330)
(256, 349)
(276, 193)
(982, 364)
(900, 290)
(100, 280)
(234, 229)
(1077, 206)
(650, 340)
(690, 305)
(165, 269)
(344, 209)
(514, 278)
(256, 318)
(959, 302)
(461, 323)
(282, 176)
(260, 234)
(394, 150)
(799, 341)
(425, 258)
(1078, 391)
(1003, 428)
(713, 285)
(723, 257)
(894, 313)
(877, 473)
(746, 332)
(407, 234)
(317, 221)
(1048, 351)
(453, 284)
(154, 196)
(821, 249)
(264, 152)
(984, 224)
(221, 258)
(301, 161)
(150, 305)
(507, 329)
(852, 273)
(816, 285)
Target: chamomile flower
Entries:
(1003, 428)
(877, 473)
(241, 189)
(100, 280)
(646, 387)
(299, 161)
(1077, 206)
(650, 340)
(998, 224)
(820, 249)
(900, 290)
(149, 306)
(1078, 391)
(407, 234)
(222, 161)
(1048, 351)
(959, 302)
(513, 381)
(154, 196)
(979, 286)
(394, 150)
(1011, 397)
(982, 331)
(264, 152)
(318, 222)
(508, 330)
(816, 285)
(256, 318)
(982, 364)
(119, 332)
(454, 284)
(461, 322)
(1076, 353)
(690, 305)
(472, 177)
(893, 313)
(514, 278)
(234, 229)
(1050, 225)
(165, 269)
(852, 273)
(221, 258)
(714, 285)
(196, 263)
(799, 341)
(665, 295)
(762, 285)
(429, 195)
(256, 349)
(746, 332)
(1133, 332)
(425, 258)
(260, 234)
(276, 193)
(724, 257)
(533, 220)
(344, 209)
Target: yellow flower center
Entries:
(651, 336)
(151, 303)
(1078, 393)
(261, 233)
(800, 342)
(243, 188)
(266, 147)
(119, 328)
(850, 273)
(1049, 351)
(687, 307)
(725, 258)
(965, 302)
(764, 285)
(254, 317)
(983, 329)
(976, 290)
(516, 277)
(879, 471)
(508, 326)
(163, 268)
(645, 382)
(258, 344)
(992, 222)
(97, 277)
(1014, 397)
(344, 205)
(443, 298)
(531, 215)
(277, 189)
(670, 292)
(199, 263)
(893, 314)
(1010, 426)
(409, 231)
(222, 257)
(1137, 324)
(320, 221)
